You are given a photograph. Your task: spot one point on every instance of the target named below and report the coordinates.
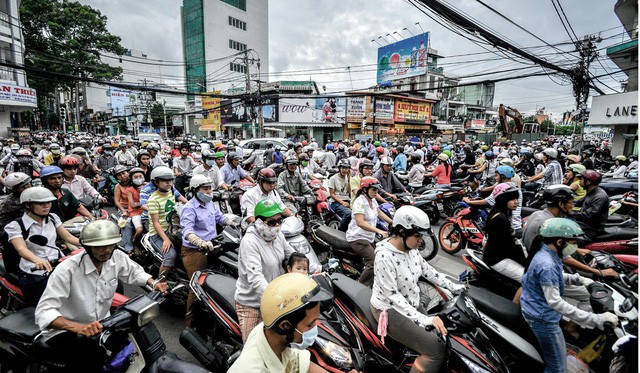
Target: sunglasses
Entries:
(274, 222)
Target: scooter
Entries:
(462, 230)
(129, 341)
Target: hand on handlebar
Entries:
(88, 330)
(438, 325)
(291, 197)
(43, 264)
(610, 272)
(161, 287)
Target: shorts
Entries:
(137, 221)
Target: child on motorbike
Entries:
(137, 176)
(298, 263)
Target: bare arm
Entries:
(66, 236)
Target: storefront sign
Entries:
(312, 110)
(620, 108)
(457, 120)
(407, 111)
(477, 124)
(356, 108)
(211, 112)
(15, 95)
(384, 109)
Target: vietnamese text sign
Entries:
(11, 94)
(403, 59)
(211, 107)
(408, 111)
(119, 99)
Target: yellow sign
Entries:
(211, 108)
(412, 112)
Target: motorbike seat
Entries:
(503, 311)
(616, 233)
(527, 211)
(222, 290)
(360, 295)
(20, 326)
(337, 239)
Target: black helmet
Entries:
(557, 193)
(344, 163)
(232, 156)
(255, 145)
(365, 163)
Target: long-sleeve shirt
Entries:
(390, 182)
(292, 184)
(104, 163)
(594, 210)
(232, 176)
(400, 163)
(395, 284)
(197, 219)
(618, 173)
(416, 175)
(500, 241)
(80, 187)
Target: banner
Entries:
(359, 107)
(119, 99)
(408, 111)
(211, 112)
(404, 59)
(312, 110)
(16, 95)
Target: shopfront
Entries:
(620, 113)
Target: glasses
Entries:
(274, 222)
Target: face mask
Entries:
(210, 162)
(304, 163)
(267, 233)
(205, 198)
(569, 249)
(138, 182)
(108, 152)
(308, 338)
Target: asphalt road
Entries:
(170, 326)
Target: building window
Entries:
(237, 45)
(237, 68)
(242, 25)
(240, 4)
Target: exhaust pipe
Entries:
(206, 354)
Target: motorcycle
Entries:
(462, 230)
(129, 340)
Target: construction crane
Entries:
(506, 111)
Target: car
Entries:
(247, 145)
(149, 137)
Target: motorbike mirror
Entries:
(39, 240)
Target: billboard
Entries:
(11, 94)
(409, 111)
(312, 110)
(270, 111)
(119, 99)
(233, 112)
(211, 116)
(403, 59)
(358, 107)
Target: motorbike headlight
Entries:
(339, 354)
(473, 366)
(302, 247)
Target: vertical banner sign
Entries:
(211, 108)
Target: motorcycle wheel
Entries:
(434, 215)
(451, 238)
(333, 223)
(429, 249)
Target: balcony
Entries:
(6, 74)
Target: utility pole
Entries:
(164, 115)
(587, 47)
(248, 93)
(373, 114)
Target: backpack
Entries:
(10, 255)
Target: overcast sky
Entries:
(311, 34)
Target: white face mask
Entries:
(138, 182)
(267, 233)
(308, 338)
(569, 249)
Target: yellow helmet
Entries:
(287, 294)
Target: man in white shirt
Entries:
(210, 169)
(266, 189)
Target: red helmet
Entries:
(380, 149)
(369, 181)
(593, 176)
(69, 162)
(304, 142)
(435, 148)
(267, 175)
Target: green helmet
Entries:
(100, 233)
(377, 143)
(447, 152)
(561, 228)
(218, 155)
(267, 209)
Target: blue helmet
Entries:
(506, 171)
(447, 147)
(329, 146)
(50, 171)
(384, 144)
(489, 154)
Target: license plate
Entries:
(440, 207)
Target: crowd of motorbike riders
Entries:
(48, 182)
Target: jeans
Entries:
(127, 235)
(344, 213)
(169, 258)
(32, 287)
(552, 344)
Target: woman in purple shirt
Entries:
(197, 231)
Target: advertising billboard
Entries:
(119, 99)
(312, 110)
(211, 116)
(358, 107)
(233, 112)
(409, 111)
(403, 59)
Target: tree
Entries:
(546, 124)
(157, 114)
(68, 38)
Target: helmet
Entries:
(484, 147)
(100, 233)
(255, 145)
(380, 149)
(278, 148)
(218, 155)
(341, 147)
(266, 209)
(79, 151)
(329, 146)
(269, 144)
(47, 142)
(69, 162)
(304, 143)
(267, 174)
(365, 163)
(507, 162)
(479, 151)
(376, 143)
(50, 171)
(448, 153)
(37, 194)
(136, 170)
(117, 170)
(344, 163)
(495, 143)
(550, 152)
(400, 149)
(303, 157)
(232, 156)
(411, 217)
(505, 171)
(574, 158)
(443, 157)
(287, 294)
(558, 192)
(162, 173)
(291, 160)
(561, 228)
(207, 154)
(369, 181)
(505, 191)
(106, 146)
(297, 145)
(435, 148)
(489, 154)
(27, 153)
(153, 146)
(593, 176)
(386, 161)
(620, 158)
(54, 149)
(352, 151)
(577, 169)
(16, 180)
(199, 180)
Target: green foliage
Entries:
(157, 113)
(547, 123)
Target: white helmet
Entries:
(199, 180)
(386, 160)
(16, 180)
(551, 153)
(163, 173)
(412, 218)
(37, 194)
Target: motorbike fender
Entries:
(168, 363)
(474, 234)
(322, 206)
(611, 246)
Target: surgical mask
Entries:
(304, 163)
(210, 162)
(205, 198)
(308, 338)
(569, 249)
(138, 182)
(108, 152)
(267, 233)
